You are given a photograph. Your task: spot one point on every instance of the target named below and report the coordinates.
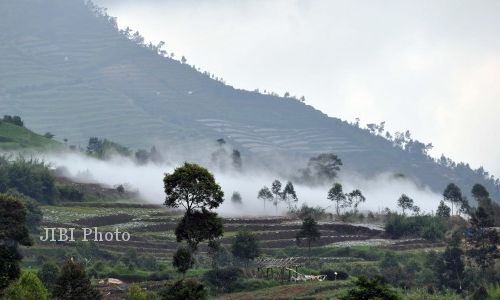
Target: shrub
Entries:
(370, 289)
(428, 227)
(222, 280)
(28, 287)
(70, 193)
(186, 289)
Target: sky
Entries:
(429, 66)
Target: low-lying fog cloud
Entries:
(381, 191)
(432, 67)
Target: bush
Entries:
(427, 227)
(222, 280)
(330, 274)
(28, 287)
(370, 289)
(187, 289)
(70, 193)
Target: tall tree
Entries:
(236, 158)
(289, 194)
(405, 203)
(356, 198)
(276, 190)
(443, 210)
(452, 194)
(265, 194)
(337, 195)
(13, 232)
(309, 231)
(192, 187)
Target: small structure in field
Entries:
(283, 269)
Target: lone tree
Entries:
(236, 198)
(73, 283)
(443, 210)
(198, 226)
(276, 190)
(453, 194)
(13, 232)
(309, 231)
(337, 195)
(405, 203)
(192, 187)
(265, 195)
(246, 246)
(321, 169)
(183, 260)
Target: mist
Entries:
(381, 191)
(432, 67)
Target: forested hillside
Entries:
(67, 69)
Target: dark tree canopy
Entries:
(309, 231)
(405, 203)
(192, 187)
(13, 221)
(453, 194)
(443, 210)
(198, 226)
(186, 289)
(479, 192)
(370, 289)
(246, 246)
(183, 260)
(73, 283)
(289, 194)
(321, 169)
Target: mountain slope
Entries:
(14, 137)
(67, 69)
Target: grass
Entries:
(14, 137)
(306, 290)
(62, 214)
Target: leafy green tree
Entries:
(309, 231)
(337, 195)
(452, 194)
(192, 187)
(443, 210)
(13, 232)
(246, 246)
(73, 283)
(186, 289)
(198, 226)
(405, 203)
(366, 289)
(27, 287)
(48, 274)
(183, 260)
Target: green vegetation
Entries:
(14, 137)
(28, 287)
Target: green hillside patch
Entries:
(14, 137)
